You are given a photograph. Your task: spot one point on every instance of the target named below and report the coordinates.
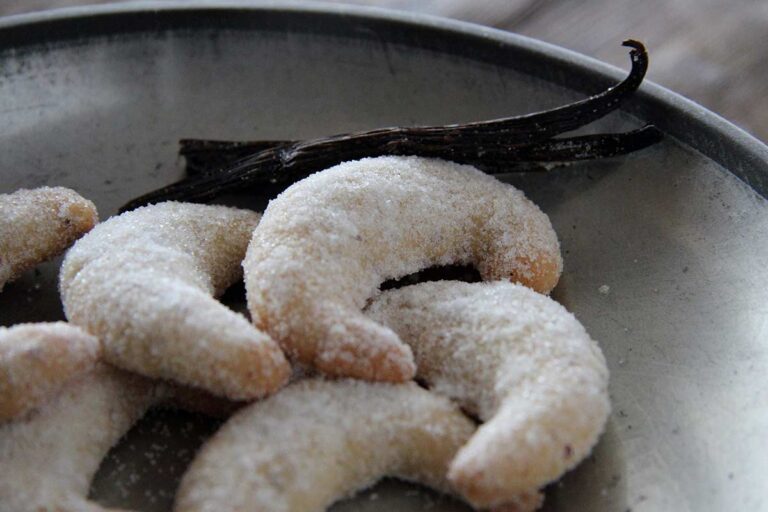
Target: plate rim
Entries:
(697, 127)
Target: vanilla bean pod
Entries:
(495, 146)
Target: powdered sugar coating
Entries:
(37, 360)
(143, 283)
(326, 244)
(48, 458)
(319, 441)
(516, 359)
(38, 224)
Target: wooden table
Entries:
(712, 51)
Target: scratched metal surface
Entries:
(680, 243)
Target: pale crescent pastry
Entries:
(48, 458)
(37, 360)
(521, 363)
(327, 243)
(316, 442)
(38, 224)
(144, 281)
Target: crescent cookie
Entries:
(318, 441)
(327, 243)
(39, 224)
(144, 281)
(517, 360)
(37, 360)
(47, 459)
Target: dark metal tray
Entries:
(97, 98)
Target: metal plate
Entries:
(96, 99)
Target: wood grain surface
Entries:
(712, 51)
